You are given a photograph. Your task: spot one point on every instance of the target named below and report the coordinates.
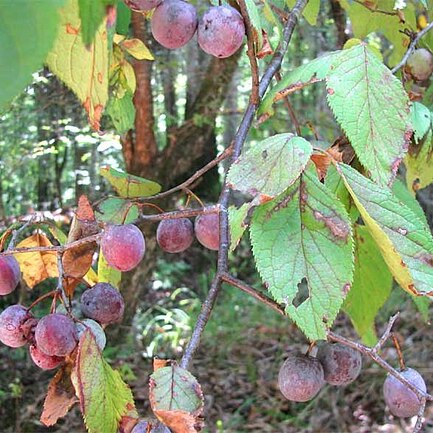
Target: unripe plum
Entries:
(46, 362)
(123, 246)
(207, 230)
(420, 64)
(401, 400)
(142, 5)
(103, 303)
(9, 274)
(95, 329)
(12, 325)
(176, 235)
(174, 23)
(341, 364)
(221, 31)
(55, 335)
(300, 378)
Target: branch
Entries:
(412, 47)
(239, 140)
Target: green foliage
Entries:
(237, 223)
(372, 284)
(305, 234)
(19, 56)
(310, 12)
(117, 211)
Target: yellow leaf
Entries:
(129, 73)
(83, 69)
(37, 266)
(137, 49)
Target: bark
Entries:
(340, 22)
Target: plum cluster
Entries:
(220, 31)
(301, 377)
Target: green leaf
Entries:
(372, 284)
(176, 398)
(22, 24)
(122, 112)
(256, 23)
(304, 235)
(376, 120)
(400, 190)
(421, 120)
(123, 18)
(310, 12)
(92, 14)
(107, 274)
(128, 185)
(403, 238)
(104, 398)
(422, 304)
(237, 223)
(270, 166)
(310, 73)
(117, 211)
(82, 68)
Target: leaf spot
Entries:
(335, 225)
(402, 231)
(70, 30)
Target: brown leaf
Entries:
(159, 363)
(4, 238)
(60, 397)
(179, 421)
(322, 163)
(266, 49)
(37, 266)
(77, 261)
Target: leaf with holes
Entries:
(104, 398)
(128, 185)
(37, 266)
(372, 284)
(82, 68)
(304, 236)
(270, 166)
(372, 107)
(176, 399)
(403, 238)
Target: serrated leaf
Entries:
(21, 25)
(137, 49)
(304, 236)
(403, 238)
(270, 166)
(237, 223)
(37, 266)
(107, 274)
(176, 399)
(117, 211)
(83, 69)
(376, 120)
(60, 397)
(372, 284)
(309, 73)
(104, 398)
(310, 12)
(122, 112)
(256, 23)
(400, 190)
(421, 120)
(128, 185)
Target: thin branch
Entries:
(17, 232)
(254, 97)
(412, 47)
(60, 287)
(185, 213)
(238, 142)
(378, 347)
(290, 108)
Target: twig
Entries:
(60, 287)
(420, 416)
(386, 334)
(238, 143)
(17, 232)
(254, 97)
(185, 213)
(290, 108)
(412, 47)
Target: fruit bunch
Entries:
(220, 31)
(301, 377)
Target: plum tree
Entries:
(174, 23)
(176, 235)
(103, 303)
(221, 31)
(9, 274)
(95, 329)
(142, 5)
(300, 378)
(43, 361)
(341, 364)
(401, 400)
(420, 64)
(207, 230)
(55, 335)
(12, 325)
(123, 246)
